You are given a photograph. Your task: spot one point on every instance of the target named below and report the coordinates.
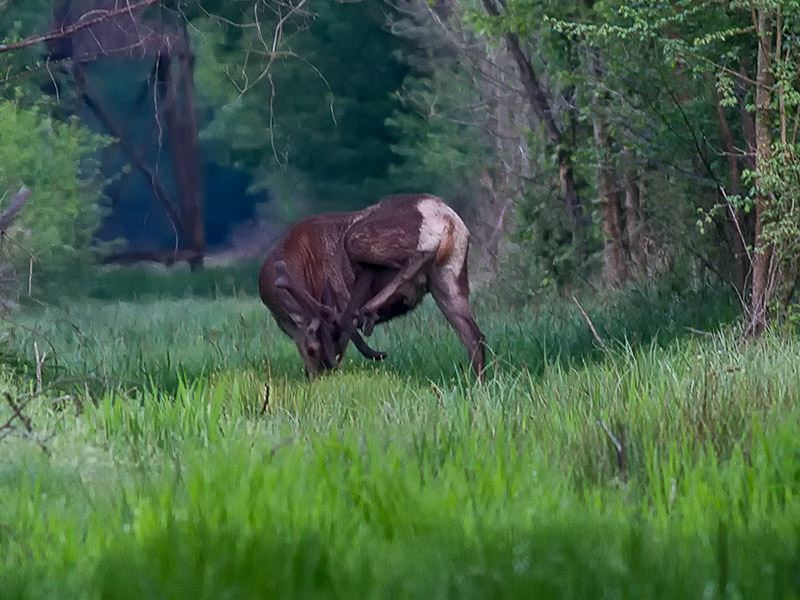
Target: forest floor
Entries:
(173, 449)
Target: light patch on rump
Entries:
(447, 246)
(442, 231)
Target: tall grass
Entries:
(665, 467)
(133, 283)
(178, 331)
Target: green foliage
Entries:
(654, 63)
(439, 128)
(55, 160)
(725, 44)
(652, 120)
(779, 180)
(25, 71)
(399, 480)
(308, 121)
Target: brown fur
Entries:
(365, 265)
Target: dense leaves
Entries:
(586, 140)
(55, 160)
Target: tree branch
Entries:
(161, 193)
(106, 15)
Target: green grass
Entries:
(154, 281)
(167, 476)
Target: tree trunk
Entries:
(735, 215)
(540, 100)
(763, 272)
(634, 221)
(494, 217)
(181, 130)
(10, 212)
(503, 182)
(616, 266)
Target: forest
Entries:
(629, 172)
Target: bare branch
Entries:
(102, 16)
(272, 46)
(158, 189)
(25, 427)
(39, 362)
(591, 325)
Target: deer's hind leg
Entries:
(383, 242)
(450, 290)
(410, 271)
(358, 296)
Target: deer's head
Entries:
(323, 331)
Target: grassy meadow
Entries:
(174, 449)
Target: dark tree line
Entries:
(601, 142)
(668, 133)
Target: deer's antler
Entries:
(327, 309)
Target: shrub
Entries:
(55, 159)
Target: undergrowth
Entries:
(187, 457)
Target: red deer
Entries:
(336, 273)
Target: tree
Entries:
(55, 160)
(505, 19)
(82, 36)
(700, 39)
(467, 128)
(86, 31)
(310, 120)
(777, 168)
(453, 126)
(160, 39)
